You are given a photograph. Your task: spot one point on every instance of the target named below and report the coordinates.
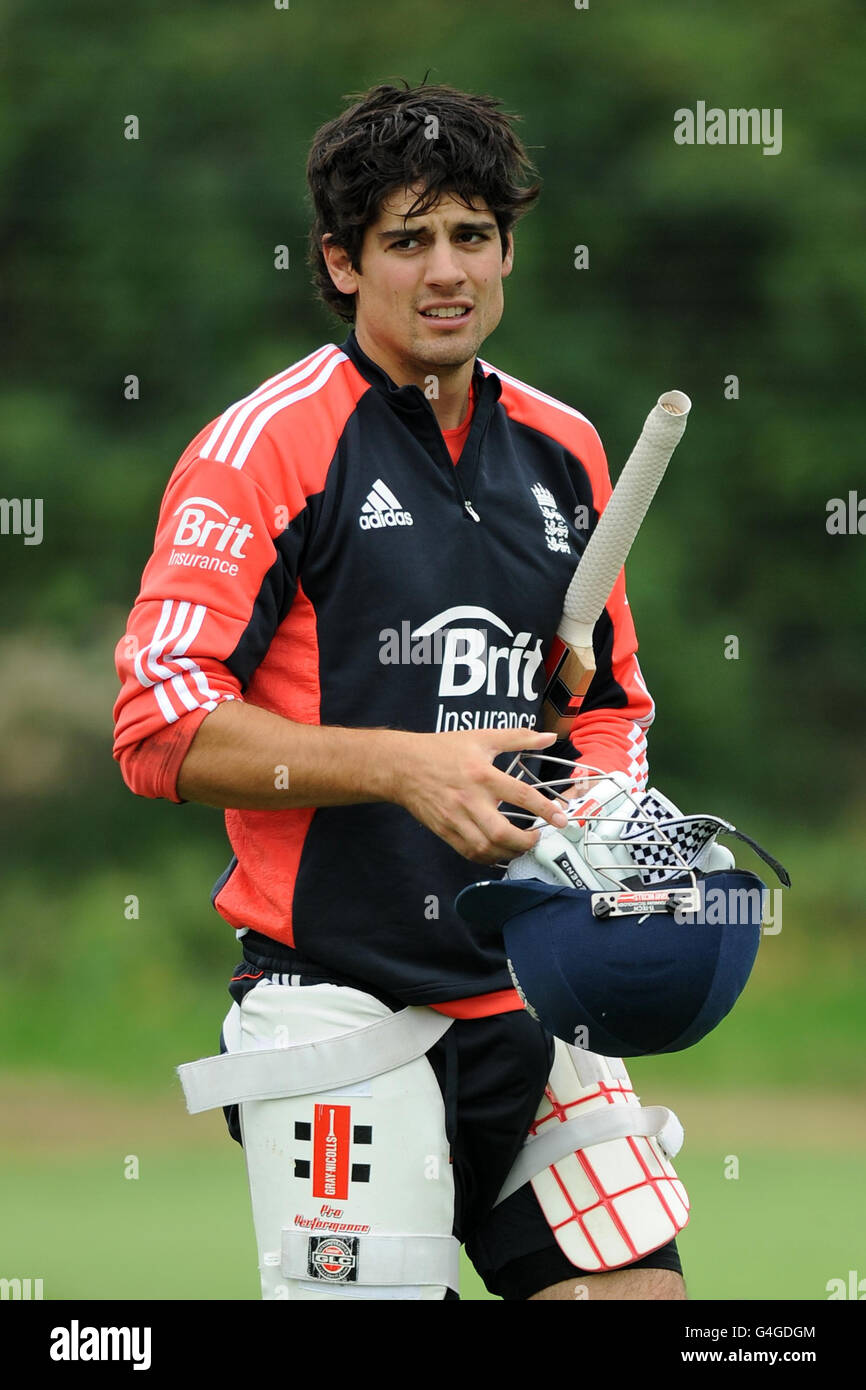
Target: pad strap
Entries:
(383, 1260)
(613, 1122)
(267, 1073)
(592, 1068)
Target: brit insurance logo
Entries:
(475, 665)
(208, 538)
(382, 509)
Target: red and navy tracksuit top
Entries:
(319, 554)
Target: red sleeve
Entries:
(214, 546)
(151, 768)
(610, 730)
(224, 572)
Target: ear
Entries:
(340, 268)
(508, 258)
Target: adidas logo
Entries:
(382, 509)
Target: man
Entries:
(358, 572)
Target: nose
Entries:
(443, 264)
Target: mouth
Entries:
(446, 315)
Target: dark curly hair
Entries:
(432, 137)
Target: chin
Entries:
(449, 354)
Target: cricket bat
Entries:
(572, 664)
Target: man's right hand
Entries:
(448, 783)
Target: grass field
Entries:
(104, 1015)
(791, 1220)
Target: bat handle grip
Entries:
(575, 633)
(675, 403)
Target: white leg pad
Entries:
(352, 1190)
(608, 1203)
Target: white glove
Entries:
(615, 839)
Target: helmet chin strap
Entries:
(778, 869)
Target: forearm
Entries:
(248, 758)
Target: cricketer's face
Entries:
(430, 288)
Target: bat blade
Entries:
(571, 665)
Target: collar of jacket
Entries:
(416, 412)
(411, 399)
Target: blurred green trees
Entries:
(154, 257)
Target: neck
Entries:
(450, 384)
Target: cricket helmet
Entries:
(630, 931)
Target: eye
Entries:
(403, 243)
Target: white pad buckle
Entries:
(385, 1260)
